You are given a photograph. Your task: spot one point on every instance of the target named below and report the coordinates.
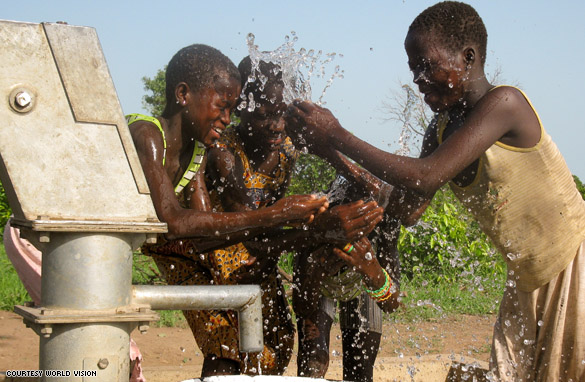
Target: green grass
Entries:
(429, 300)
(170, 319)
(12, 292)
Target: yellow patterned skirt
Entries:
(216, 331)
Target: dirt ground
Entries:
(171, 353)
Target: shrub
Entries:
(447, 244)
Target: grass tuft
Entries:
(12, 292)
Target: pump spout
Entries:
(246, 299)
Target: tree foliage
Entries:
(311, 175)
(580, 185)
(154, 101)
(5, 210)
(448, 245)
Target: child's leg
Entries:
(313, 354)
(136, 374)
(359, 354)
(361, 326)
(313, 320)
(219, 366)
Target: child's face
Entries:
(266, 123)
(439, 74)
(209, 113)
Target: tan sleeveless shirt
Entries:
(526, 201)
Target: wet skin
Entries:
(480, 118)
(202, 116)
(262, 134)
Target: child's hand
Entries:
(300, 209)
(310, 124)
(349, 222)
(361, 257)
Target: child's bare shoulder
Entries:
(511, 95)
(143, 132)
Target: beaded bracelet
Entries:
(386, 296)
(384, 292)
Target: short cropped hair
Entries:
(199, 66)
(454, 25)
(271, 71)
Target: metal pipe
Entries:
(88, 271)
(246, 299)
(85, 272)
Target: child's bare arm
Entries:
(183, 223)
(363, 182)
(502, 113)
(406, 205)
(347, 222)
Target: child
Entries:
(202, 86)
(489, 144)
(249, 168)
(323, 282)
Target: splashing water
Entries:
(337, 190)
(405, 138)
(298, 68)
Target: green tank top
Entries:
(196, 158)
